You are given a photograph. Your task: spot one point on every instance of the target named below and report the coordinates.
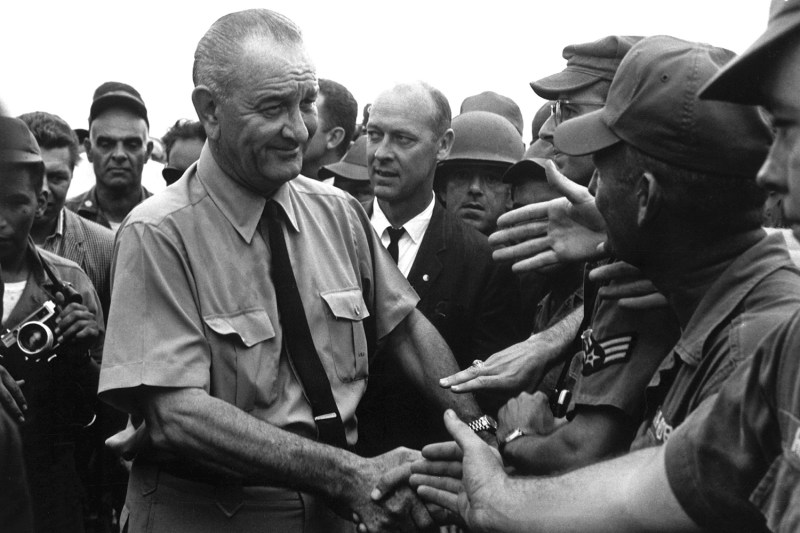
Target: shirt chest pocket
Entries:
(346, 311)
(245, 363)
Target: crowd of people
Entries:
(414, 322)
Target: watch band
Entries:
(514, 435)
(483, 423)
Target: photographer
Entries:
(51, 321)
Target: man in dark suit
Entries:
(447, 262)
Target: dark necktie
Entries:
(297, 335)
(394, 240)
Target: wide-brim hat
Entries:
(352, 166)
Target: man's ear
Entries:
(334, 138)
(206, 105)
(650, 196)
(41, 202)
(87, 146)
(445, 144)
(149, 148)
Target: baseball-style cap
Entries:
(353, 165)
(587, 63)
(532, 164)
(740, 81)
(495, 103)
(116, 94)
(17, 143)
(652, 105)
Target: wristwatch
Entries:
(483, 423)
(514, 435)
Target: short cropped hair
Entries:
(216, 57)
(340, 110)
(442, 115)
(52, 131)
(183, 129)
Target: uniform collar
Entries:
(241, 206)
(727, 292)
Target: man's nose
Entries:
(119, 151)
(475, 184)
(547, 129)
(772, 174)
(295, 127)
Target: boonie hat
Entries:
(740, 81)
(587, 63)
(495, 103)
(652, 104)
(532, 166)
(17, 143)
(116, 94)
(352, 166)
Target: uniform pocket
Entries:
(346, 329)
(255, 371)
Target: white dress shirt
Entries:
(408, 246)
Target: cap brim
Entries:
(19, 156)
(525, 169)
(551, 87)
(584, 135)
(740, 80)
(345, 170)
(116, 100)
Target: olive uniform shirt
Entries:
(734, 464)
(757, 292)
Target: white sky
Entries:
(55, 53)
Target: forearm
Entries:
(590, 437)
(425, 358)
(630, 493)
(554, 342)
(190, 423)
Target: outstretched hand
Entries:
(465, 477)
(397, 510)
(562, 230)
(628, 286)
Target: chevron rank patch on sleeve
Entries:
(598, 355)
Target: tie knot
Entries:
(395, 233)
(272, 210)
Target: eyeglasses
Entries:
(561, 110)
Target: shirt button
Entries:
(88, 203)
(425, 277)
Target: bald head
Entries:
(438, 107)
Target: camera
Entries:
(35, 334)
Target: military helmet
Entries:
(485, 137)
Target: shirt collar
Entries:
(241, 206)
(415, 227)
(60, 224)
(727, 292)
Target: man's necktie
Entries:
(297, 335)
(394, 240)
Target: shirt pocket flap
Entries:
(252, 326)
(347, 303)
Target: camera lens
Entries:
(34, 338)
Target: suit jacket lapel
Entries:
(428, 264)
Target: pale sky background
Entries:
(55, 53)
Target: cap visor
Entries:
(551, 87)
(740, 80)
(525, 169)
(345, 170)
(584, 135)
